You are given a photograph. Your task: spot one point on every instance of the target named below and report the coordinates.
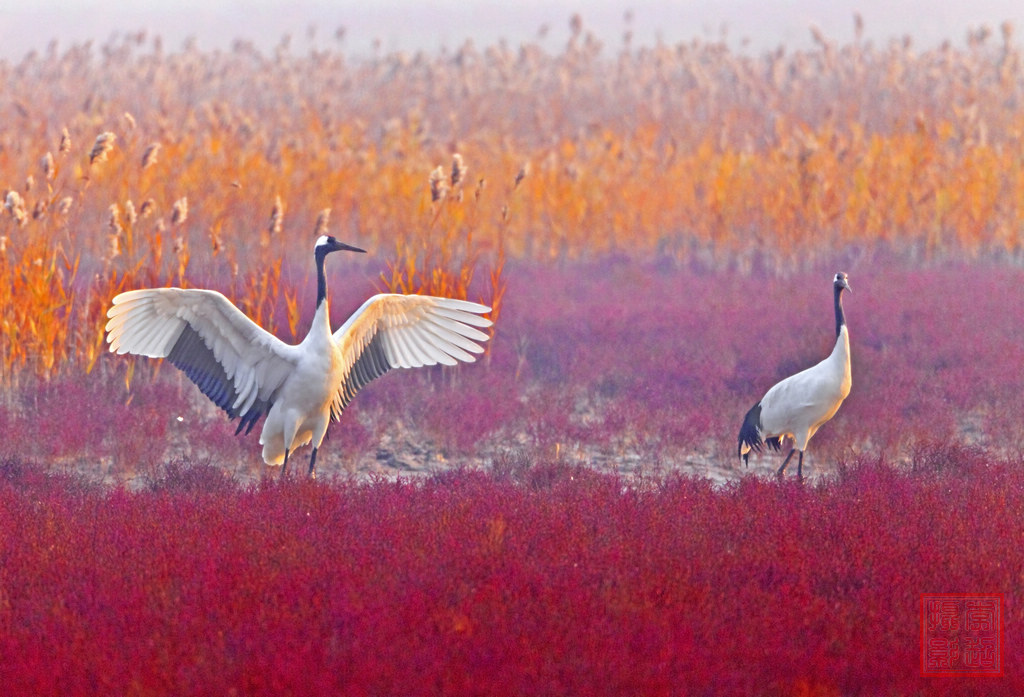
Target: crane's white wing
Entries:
(235, 362)
(801, 403)
(405, 331)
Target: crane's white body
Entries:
(800, 404)
(249, 372)
(302, 411)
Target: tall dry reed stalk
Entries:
(705, 155)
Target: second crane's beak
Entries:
(342, 247)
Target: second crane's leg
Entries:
(284, 466)
(312, 465)
(800, 466)
(786, 462)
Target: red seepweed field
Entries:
(525, 578)
(568, 515)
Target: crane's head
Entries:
(841, 282)
(326, 244)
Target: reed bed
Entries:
(126, 164)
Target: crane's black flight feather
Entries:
(192, 356)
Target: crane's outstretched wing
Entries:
(405, 331)
(234, 361)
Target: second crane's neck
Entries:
(841, 351)
(840, 316)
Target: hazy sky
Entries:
(410, 25)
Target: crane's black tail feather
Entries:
(750, 434)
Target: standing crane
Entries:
(799, 405)
(301, 388)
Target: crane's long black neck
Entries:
(840, 317)
(321, 277)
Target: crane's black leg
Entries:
(284, 466)
(800, 467)
(786, 462)
(312, 465)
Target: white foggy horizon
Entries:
(402, 25)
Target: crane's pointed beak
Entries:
(342, 247)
